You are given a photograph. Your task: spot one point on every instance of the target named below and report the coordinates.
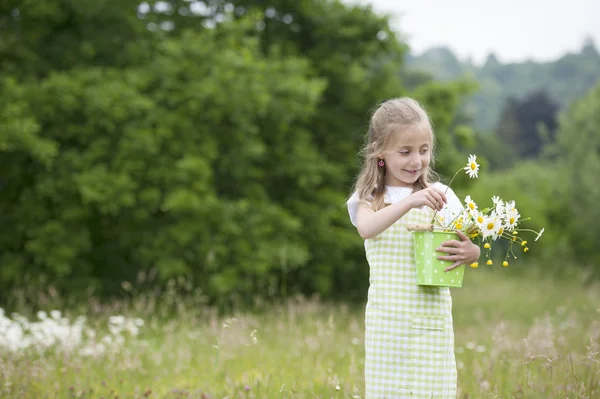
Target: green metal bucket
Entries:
(430, 270)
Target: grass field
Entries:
(516, 337)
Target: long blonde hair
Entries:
(394, 117)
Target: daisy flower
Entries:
(472, 167)
(491, 226)
(478, 218)
(512, 218)
(498, 203)
(470, 204)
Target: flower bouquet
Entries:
(501, 220)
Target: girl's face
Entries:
(408, 158)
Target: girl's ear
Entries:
(374, 148)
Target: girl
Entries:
(409, 338)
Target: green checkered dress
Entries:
(409, 338)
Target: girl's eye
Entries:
(424, 151)
(404, 152)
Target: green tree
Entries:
(218, 144)
(38, 37)
(577, 156)
(527, 125)
(157, 166)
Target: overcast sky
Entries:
(515, 30)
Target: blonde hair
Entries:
(393, 119)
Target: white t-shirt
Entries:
(396, 193)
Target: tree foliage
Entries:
(217, 144)
(577, 154)
(527, 125)
(564, 80)
(559, 191)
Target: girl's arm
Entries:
(370, 223)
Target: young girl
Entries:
(409, 338)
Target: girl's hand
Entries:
(431, 197)
(460, 252)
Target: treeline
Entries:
(562, 81)
(213, 140)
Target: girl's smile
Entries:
(408, 159)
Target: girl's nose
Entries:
(415, 161)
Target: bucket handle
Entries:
(419, 227)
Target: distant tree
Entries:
(564, 79)
(524, 124)
(577, 153)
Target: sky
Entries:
(514, 30)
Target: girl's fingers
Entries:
(458, 260)
(454, 266)
(463, 236)
(439, 198)
(430, 203)
(453, 258)
(434, 203)
(442, 195)
(452, 243)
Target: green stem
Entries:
(447, 187)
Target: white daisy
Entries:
(510, 206)
(491, 226)
(478, 218)
(512, 216)
(472, 167)
(498, 202)
(471, 205)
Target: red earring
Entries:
(381, 163)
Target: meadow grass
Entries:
(517, 336)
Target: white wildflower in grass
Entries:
(17, 333)
(472, 167)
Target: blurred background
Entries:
(218, 140)
(189, 160)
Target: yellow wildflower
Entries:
(505, 263)
(525, 249)
(489, 262)
(487, 245)
(474, 265)
(523, 243)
